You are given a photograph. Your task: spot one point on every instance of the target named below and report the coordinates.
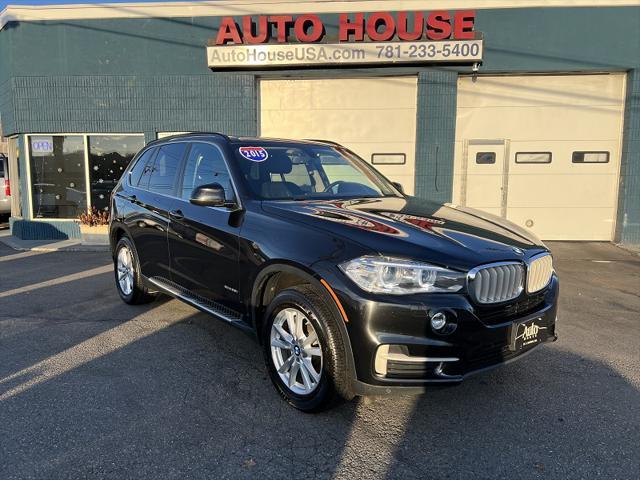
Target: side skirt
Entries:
(205, 305)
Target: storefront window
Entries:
(109, 155)
(58, 186)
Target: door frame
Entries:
(506, 145)
(14, 176)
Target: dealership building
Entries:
(527, 109)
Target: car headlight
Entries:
(399, 277)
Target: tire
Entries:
(132, 291)
(310, 394)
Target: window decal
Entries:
(255, 154)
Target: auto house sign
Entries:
(380, 38)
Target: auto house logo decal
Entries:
(530, 334)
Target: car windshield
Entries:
(280, 171)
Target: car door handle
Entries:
(176, 214)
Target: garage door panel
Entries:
(542, 123)
(321, 94)
(563, 199)
(566, 223)
(568, 90)
(351, 125)
(549, 191)
(368, 115)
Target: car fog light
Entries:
(438, 321)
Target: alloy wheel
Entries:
(296, 351)
(125, 270)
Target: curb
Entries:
(15, 244)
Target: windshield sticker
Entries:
(255, 154)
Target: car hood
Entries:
(443, 234)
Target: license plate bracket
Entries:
(527, 333)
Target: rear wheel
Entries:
(304, 350)
(127, 273)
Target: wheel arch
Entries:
(116, 232)
(272, 279)
(278, 276)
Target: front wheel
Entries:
(304, 350)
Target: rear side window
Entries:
(140, 167)
(162, 178)
(2, 161)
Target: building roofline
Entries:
(25, 13)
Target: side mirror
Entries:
(398, 187)
(210, 195)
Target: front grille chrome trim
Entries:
(539, 272)
(496, 282)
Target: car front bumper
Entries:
(395, 349)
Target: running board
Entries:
(196, 301)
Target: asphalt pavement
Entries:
(93, 388)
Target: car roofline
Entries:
(325, 142)
(184, 136)
(304, 141)
(236, 139)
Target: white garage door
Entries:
(374, 117)
(542, 151)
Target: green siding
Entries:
(628, 225)
(435, 134)
(6, 98)
(30, 230)
(55, 104)
(560, 39)
(7, 117)
(114, 73)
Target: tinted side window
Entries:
(205, 165)
(141, 166)
(165, 168)
(2, 166)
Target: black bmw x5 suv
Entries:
(350, 286)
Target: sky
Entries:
(4, 3)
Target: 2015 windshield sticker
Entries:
(255, 154)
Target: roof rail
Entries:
(188, 134)
(328, 142)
